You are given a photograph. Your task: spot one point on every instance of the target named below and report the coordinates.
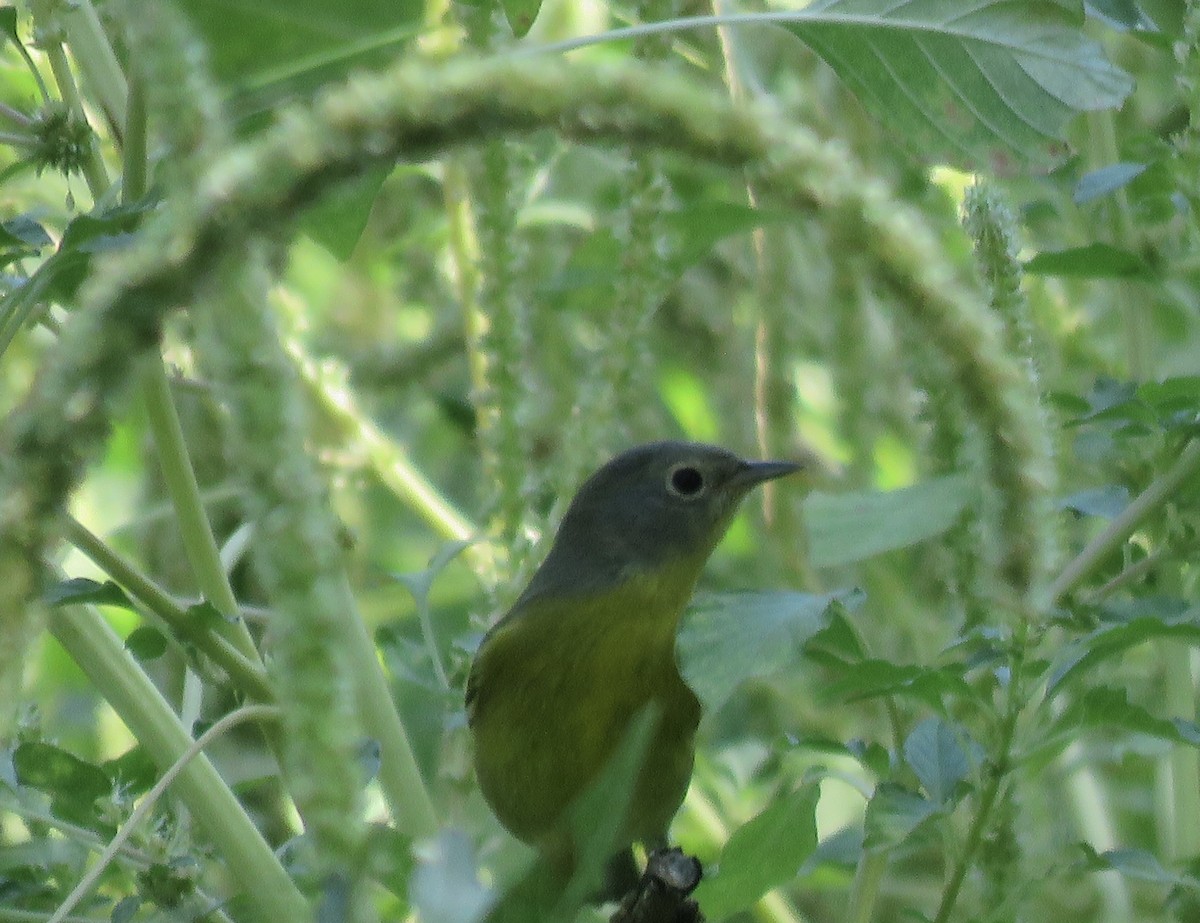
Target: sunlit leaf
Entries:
(976, 84)
(762, 854)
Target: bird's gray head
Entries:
(651, 505)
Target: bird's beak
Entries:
(756, 472)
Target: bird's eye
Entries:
(685, 481)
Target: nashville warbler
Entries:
(591, 642)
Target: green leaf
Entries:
(762, 854)
(336, 221)
(974, 84)
(1092, 261)
(1106, 181)
(299, 42)
(1080, 656)
(521, 14)
(695, 229)
(1106, 706)
(72, 784)
(873, 678)
(8, 23)
(729, 638)
(893, 813)
(849, 527)
(935, 752)
(1105, 502)
(1133, 863)
(80, 590)
(146, 643)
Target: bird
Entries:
(589, 644)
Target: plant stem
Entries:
(1122, 526)
(998, 770)
(249, 676)
(93, 645)
(200, 545)
(867, 877)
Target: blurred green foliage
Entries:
(903, 723)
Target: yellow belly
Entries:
(554, 693)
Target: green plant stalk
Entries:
(1186, 465)
(996, 775)
(249, 676)
(388, 461)
(179, 476)
(872, 865)
(98, 650)
(133, 151)
(1184, 810)
(91, 48)
(93, 166)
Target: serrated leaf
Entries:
(973, 83)
(729, 638)
(762, 854)
(893, 813)
(935, 752)
(848, 527)
(1092, 261)
(80, 590)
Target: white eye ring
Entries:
(686, 481)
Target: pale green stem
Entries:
(1124, 524)
(97, 649)
(388, 461)
(93, 165)
(1184, 809)
(249, 676)
(872, 865)
(92, 50)
(199, 543)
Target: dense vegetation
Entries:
(314, 315)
